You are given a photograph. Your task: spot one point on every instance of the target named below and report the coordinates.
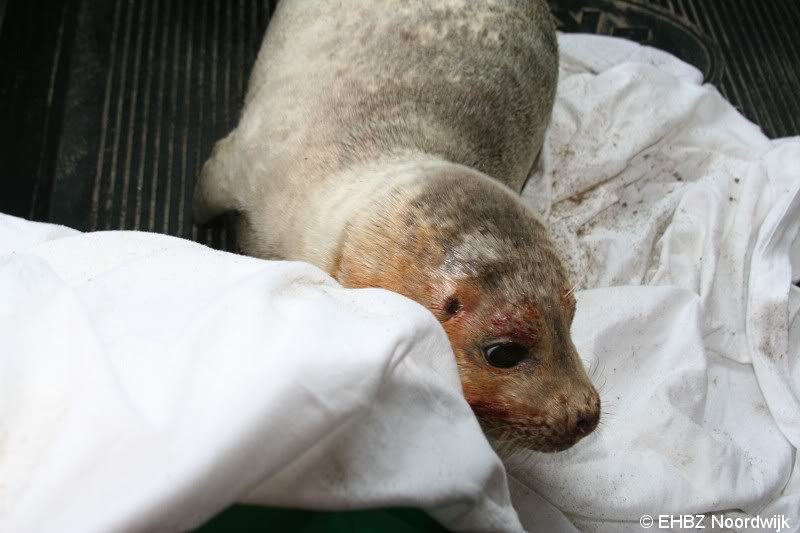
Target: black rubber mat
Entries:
(3, 4)
(109, 107)
(160, 82)
(33, 74)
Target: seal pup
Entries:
(387, 143)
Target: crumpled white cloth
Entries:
(680, 221)
(151, 382)
(147, 382)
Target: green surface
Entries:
(250, 519)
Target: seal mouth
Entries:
(540, 432)
(534, 437)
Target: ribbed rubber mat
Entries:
(35, 36)
(760, 41)
(3, 4)
(159, 83)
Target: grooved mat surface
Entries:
(166, 81)
(109, 107)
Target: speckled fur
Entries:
(385, 142)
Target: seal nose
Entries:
(589, 416)
(586, 422)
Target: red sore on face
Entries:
(516, 324)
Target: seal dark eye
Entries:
(505, 354)
(452, 306)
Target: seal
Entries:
(387, 143)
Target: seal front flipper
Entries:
(215, 190)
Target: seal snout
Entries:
(586, 422)
(588, 417)
(578, 417)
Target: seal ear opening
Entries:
(452, 306)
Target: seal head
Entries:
(465, 247)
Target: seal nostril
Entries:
(586, 423)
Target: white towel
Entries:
(147, 382)
(680, 221)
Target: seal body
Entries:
(386, 142)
